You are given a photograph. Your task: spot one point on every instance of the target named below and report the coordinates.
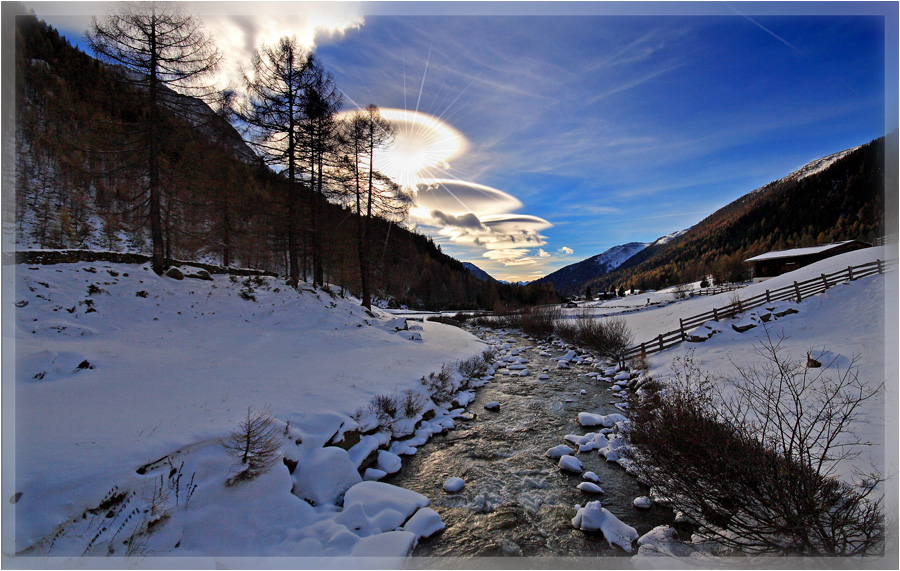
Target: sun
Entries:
(422, 147)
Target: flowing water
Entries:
(516, 501)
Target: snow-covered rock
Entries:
(590, 488)
(424, 523)
(454, 484)
(388, 462)
(559, 451)
(587, 419)
(324, 476)
(570, 464)
(594, 517)
(642, 502)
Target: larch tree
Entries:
(274, 111)
(372, 193)
(165, 55)
(322, 101)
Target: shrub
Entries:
(608, 337)
(477, 366)
(385, 408)
(756, 471)
(256, 444)
(440, 385)
(540, 321)
(682, 291)
(412, 403)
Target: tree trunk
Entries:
(156, 231)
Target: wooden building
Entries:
(773, 264)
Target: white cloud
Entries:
(566, 251)
(239, 33)
(543, 254)
(459, 197)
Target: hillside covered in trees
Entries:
(844, 201)
(81, 179)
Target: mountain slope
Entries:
(569, 278)
(478, 272)
(839, 197)
(80, 184)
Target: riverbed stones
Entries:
(559, 451)
(590, 488)
(493, 406)
(570, 463)
(454, 484)
(642, 502)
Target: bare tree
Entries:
(163, 52)
(756, 472)
(365, 132)
(255, 444)
(274, 112)
(319, 137)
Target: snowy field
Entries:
(125, 384)
(847, 321)
(117, 367)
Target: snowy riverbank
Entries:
(117, 368)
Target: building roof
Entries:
(798, 252)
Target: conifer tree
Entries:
(163, 52)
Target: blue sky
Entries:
(599, 128)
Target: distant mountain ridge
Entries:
(601, 264)
(478, 272)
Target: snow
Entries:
(559, 452)
(846, 321)
(335, 462)
(570, 464)
(388, 462)
(605, 420)
(812, 250)
(391, 504)
(642, 502)
(174, 370)
(454, 484)
(594, 517)
(425, 523)
(590, 488)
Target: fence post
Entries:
(715, 314)
(850, 272)
(880, 269)
(644, 347)
(681, 324)
(825, 281)
(660, 342)
(768, 297)
(797, 289)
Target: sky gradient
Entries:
(583, 126)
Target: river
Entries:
(516, 501)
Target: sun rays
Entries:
(477, 218)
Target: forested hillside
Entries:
(81, 179)
(842, 202)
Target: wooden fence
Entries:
(798, 291)
(719, 289)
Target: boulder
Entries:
(174, 273)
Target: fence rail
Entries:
(719, 289)
(798, 291)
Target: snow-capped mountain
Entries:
(601, 264)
